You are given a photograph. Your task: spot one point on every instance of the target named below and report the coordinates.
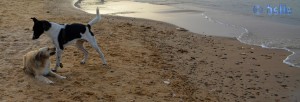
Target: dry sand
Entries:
(147, 61)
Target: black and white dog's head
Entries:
(39, 27)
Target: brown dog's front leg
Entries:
(43, 79)
(56, 75)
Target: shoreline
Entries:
(241, 33)
(147, 61)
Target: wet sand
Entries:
(147, 61)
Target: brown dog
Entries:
(37, 63)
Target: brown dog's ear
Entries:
(34, 19)
(40, 56)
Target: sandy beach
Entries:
(147, 61)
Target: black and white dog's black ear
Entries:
(46, 25)
(34, 19)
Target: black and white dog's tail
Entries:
(96, 19)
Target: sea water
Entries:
(266, 23)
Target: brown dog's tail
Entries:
(24, 62)
(25, 67)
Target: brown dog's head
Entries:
(44, 53)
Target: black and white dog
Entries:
(63, 35)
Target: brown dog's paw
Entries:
(49, 82)
(62, 77)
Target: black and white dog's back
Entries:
(63, 35)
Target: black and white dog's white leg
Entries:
(97, 48)
(79, 45)
(58, 59)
